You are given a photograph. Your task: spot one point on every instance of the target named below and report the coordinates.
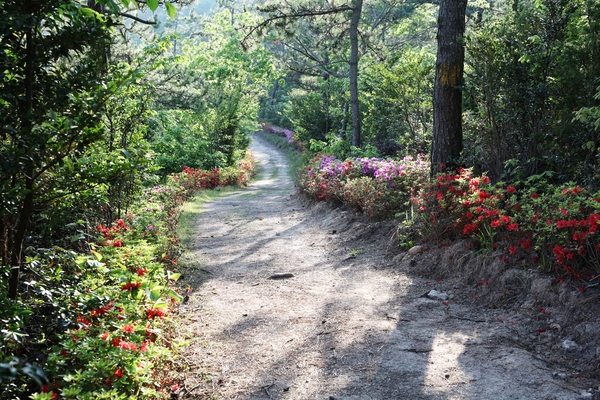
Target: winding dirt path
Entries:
(288, 305)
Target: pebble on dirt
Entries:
(416, 250)
(570, 345)
(281, 276)
(434, 294)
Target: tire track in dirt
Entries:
(347, 325)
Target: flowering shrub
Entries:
(379, 187)
(103, 318)
(555, 226)
(289, 135)
(190, 180)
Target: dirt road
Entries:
(299, 302)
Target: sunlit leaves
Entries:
(152, 4)
(171, 10)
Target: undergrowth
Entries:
(97, 325)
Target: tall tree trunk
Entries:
(274, 91)
(344, 121)
(447, 97)
(353, 72)
(18, 236)
(104, 50)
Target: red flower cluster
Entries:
(100, 311)
(119, 373)
(131, 285)
(118, 227)
(46, 389)
(152, 313)
(123, 344)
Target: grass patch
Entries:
(192, 209)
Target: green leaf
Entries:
(91, 13)
(173, 276)
(173, 294)
(160, 304)
(154, 293)
(153, 4)
(35, 373)
(97, 255)
(171, 10)
(589, 145)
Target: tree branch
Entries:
(133, 17)
(294, 15)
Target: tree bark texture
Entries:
(447, 97)
(353, 73)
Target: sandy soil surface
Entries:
(300, 301)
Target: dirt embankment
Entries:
(300, 301)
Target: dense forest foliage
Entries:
(113, 112)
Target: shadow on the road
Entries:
(371, 334)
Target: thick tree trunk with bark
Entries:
(447, 98)
(353, 72)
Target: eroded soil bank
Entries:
(300, 301)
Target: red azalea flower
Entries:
(510, 189)
(151, 313)
(142, 271)
(105, 336)
(534, 195)
(118, 373)
(468, 228)
(483, 195)
(128, 328)
(131, 286)
(525, 243)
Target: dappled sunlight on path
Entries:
(288, 304)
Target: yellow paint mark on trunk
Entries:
(449, 74)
